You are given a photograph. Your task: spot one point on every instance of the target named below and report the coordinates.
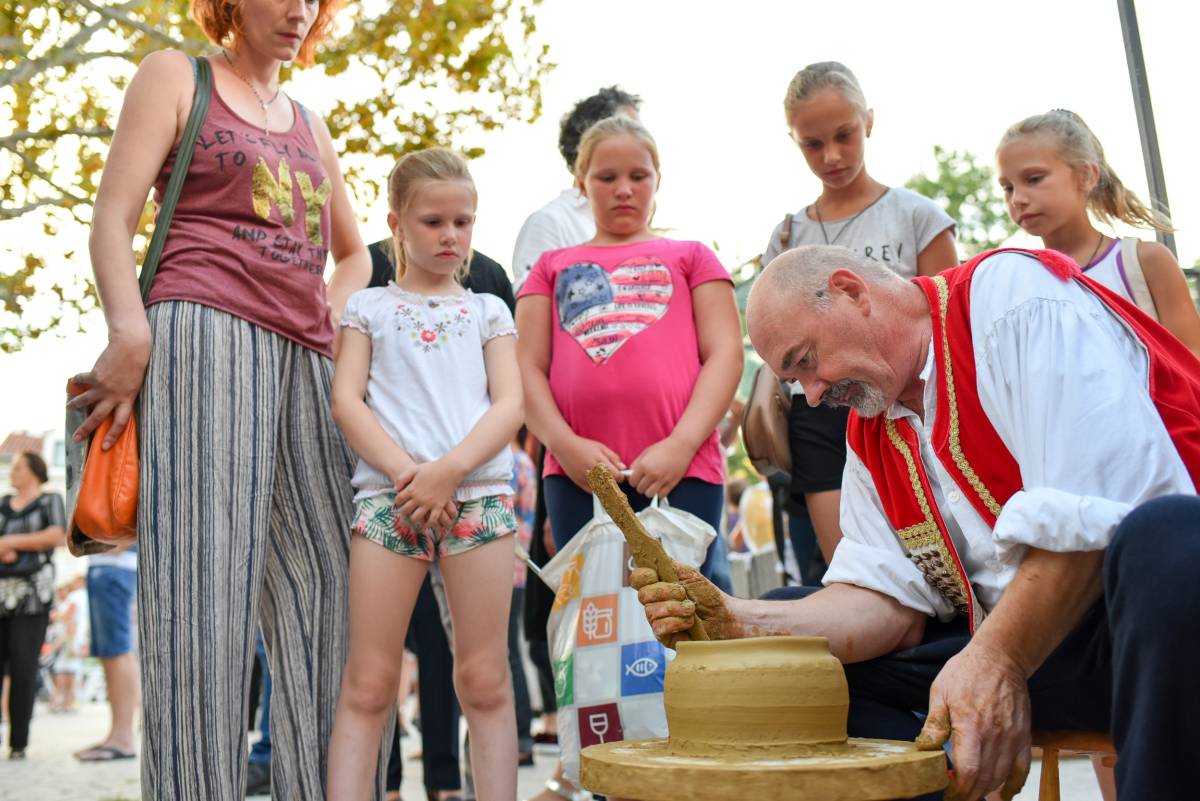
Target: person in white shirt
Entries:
(1022, 532)
(567, 220)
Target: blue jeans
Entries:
(570, 509)
(260, 753)
(804, 545)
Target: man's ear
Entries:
(850, 285)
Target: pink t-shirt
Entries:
(624, 356)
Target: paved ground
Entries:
(51, 774)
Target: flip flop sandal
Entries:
(103, 753)
(566, 791)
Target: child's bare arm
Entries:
(359, 425)
(575, 454)
(660, 467)
(1172, 296)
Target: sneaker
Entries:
(258, 778)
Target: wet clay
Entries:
(769, 694)
(646, 551)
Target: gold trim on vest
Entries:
(956, 452)
(925, 543)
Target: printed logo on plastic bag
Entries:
(597, 620)
(599, 724)
(643, 667)
(564, 681)
(569, 588)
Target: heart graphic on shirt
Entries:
(604, 310)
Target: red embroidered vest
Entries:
(967, 445)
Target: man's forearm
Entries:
(1045, 601)
(860, 624)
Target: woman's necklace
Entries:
(845, 225)
(1092, 257)
(265, 104)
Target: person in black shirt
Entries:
(486, 276)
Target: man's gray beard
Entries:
(869, 403)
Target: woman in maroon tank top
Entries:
(245, 501)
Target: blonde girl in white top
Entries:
(427, 393)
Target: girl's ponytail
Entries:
(1109, 199)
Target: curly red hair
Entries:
(221, 21)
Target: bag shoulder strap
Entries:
(202, 72)
(304, 115)
(1136, 278)
(785, 233)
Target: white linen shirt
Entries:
(564, 222)
(1065, 384)
(428, 384)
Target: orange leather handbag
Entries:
(104, 513)
(102, 486)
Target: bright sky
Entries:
(712, 77)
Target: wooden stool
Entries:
(1053, 743)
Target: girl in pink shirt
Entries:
(630, 349)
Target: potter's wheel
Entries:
(856, 770)
(762, 717)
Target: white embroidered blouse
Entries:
(428, 384)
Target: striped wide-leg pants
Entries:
(243, 517)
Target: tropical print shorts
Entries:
(478, 522)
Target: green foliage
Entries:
(964, 187)
(406, 74)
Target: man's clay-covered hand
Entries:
(979, 702)
(671, 610)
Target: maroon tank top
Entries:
(250, 234)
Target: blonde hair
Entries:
(824, 75)
(618, 125)
(410, 172)
(1109, 199)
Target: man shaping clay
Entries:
(1022, 532)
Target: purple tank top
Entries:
(250, 234)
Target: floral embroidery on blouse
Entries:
(432, 326)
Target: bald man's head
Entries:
(802, 274)
(812, 316)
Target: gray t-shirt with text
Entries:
(894, 230)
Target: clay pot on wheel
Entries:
(770, 694)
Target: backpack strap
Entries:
(202, 73)
(1132, 270)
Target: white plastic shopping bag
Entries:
(608, 667)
